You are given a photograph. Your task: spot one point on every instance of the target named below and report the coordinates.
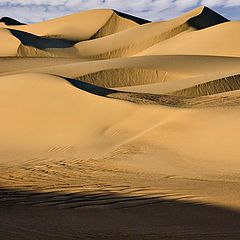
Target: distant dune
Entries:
(115, 127)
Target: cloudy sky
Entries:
(38, 10)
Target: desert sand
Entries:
(114, 127)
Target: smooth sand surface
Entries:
(208, 41)
(113, 127)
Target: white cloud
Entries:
(223, 3)
(212, 3)
(186, 4)
(38, 10)
(233, 3)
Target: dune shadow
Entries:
(96, 90)
(42, 43)
(134, 97)
(107, 215)
(138, 20)
(207, 19)
(10, 21)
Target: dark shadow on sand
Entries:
(42, 43)
(10, 21)
(207, 18)
(96, 90)
(139, 98)
(58, 215)
(132, 18)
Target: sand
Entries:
(114, 127)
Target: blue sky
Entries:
(39, 10)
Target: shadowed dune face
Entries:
(10, 21)
(133, 18)
(40, 42)
(100, 91)
(114, 127)
(121, 77)
(206, 19)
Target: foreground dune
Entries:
(113, 127)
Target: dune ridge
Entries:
(124, 77)
(115, 24)
(213, 87)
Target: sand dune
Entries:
(30, 95)
(114, 27)
(208, 41)
(115, 127)
(72, 27)
(134, 40)
(66, 31)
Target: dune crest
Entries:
(115, 24)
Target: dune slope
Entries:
(208, 41)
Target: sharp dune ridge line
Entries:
(115, 127)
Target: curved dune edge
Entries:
(224, 99)
(214, 93)
(213, 87)
(115, 24)
(114, 78)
